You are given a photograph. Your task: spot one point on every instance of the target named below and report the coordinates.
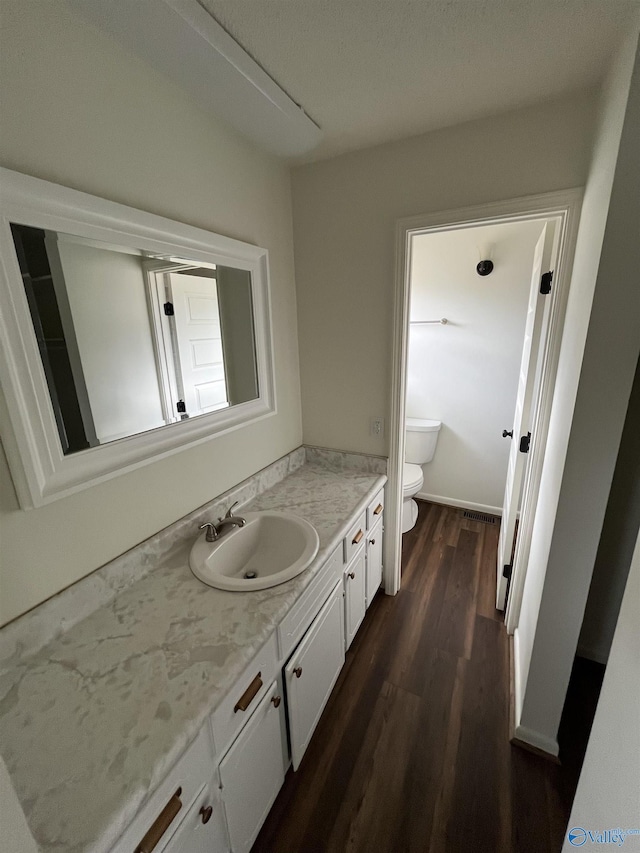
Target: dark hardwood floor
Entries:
(412, 752)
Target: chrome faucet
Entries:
(215, 531)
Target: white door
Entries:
(355, 579)
(252, 772)
(521, 423)
(200, 367)
(312, 671)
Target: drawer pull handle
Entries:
(357, 537)
(378, 509)
(249, 694)
(160, 824)
(297, 671)
(351, 575)
(205, 813)
(372, 541)
(276, 701)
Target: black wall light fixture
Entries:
(484, 267)
(485, 253)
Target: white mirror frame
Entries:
(40, 470)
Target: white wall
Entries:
(106, 291)
(597, 362)
(609, 787)
(617, 542)
(465, 374)
(79, 111)
(345, 213)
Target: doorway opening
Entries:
(489, 369)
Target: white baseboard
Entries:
(517, 680)
(439, 499)
(537, 741)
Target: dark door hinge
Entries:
(545, 283)
(525, 443)
(181, 406)
(506, 571)
(168, 309)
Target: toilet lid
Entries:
(412, 476)
(422, 425)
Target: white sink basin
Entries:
(271, 548)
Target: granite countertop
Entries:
(94, 721)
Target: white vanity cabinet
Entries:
(355, 586)
(375, 530)
(184, 814)
(202, 829)
(218, 806)
(374, 561)
(312, 671)
(252, 771)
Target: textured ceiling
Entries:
(370, 71)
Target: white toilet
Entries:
(421, 437)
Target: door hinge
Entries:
(525, 443)
(506, 571)
(181, 406)
(545, 283)
(168, 309)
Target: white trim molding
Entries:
(536, 740)
(564, 204)
(182, 40)
(441, 499)
(522, 735)
(41, 471)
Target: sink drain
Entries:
(249, 576)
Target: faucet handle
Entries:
(229, 512)
(212, 533)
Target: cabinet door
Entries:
(354, 595)
(374, 561)
(202, 829)
(252, 772)
(312, 671)
(173, 801)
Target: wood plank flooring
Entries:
(412, 751)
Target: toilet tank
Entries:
(421, 437)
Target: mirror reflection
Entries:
(130, 341)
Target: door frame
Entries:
(563, 204)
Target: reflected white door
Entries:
(521, 424)
(199, 343)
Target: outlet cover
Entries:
(377, 427)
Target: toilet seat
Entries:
(412, 478)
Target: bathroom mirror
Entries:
(126, 336)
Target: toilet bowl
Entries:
(421, 437)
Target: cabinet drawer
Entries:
(166, 807)
(355, 537)
(312, 671)
(375, 510)
(203, 828)
(303, 612)
(228, 718)
(252, 772)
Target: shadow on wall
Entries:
(617, 542)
